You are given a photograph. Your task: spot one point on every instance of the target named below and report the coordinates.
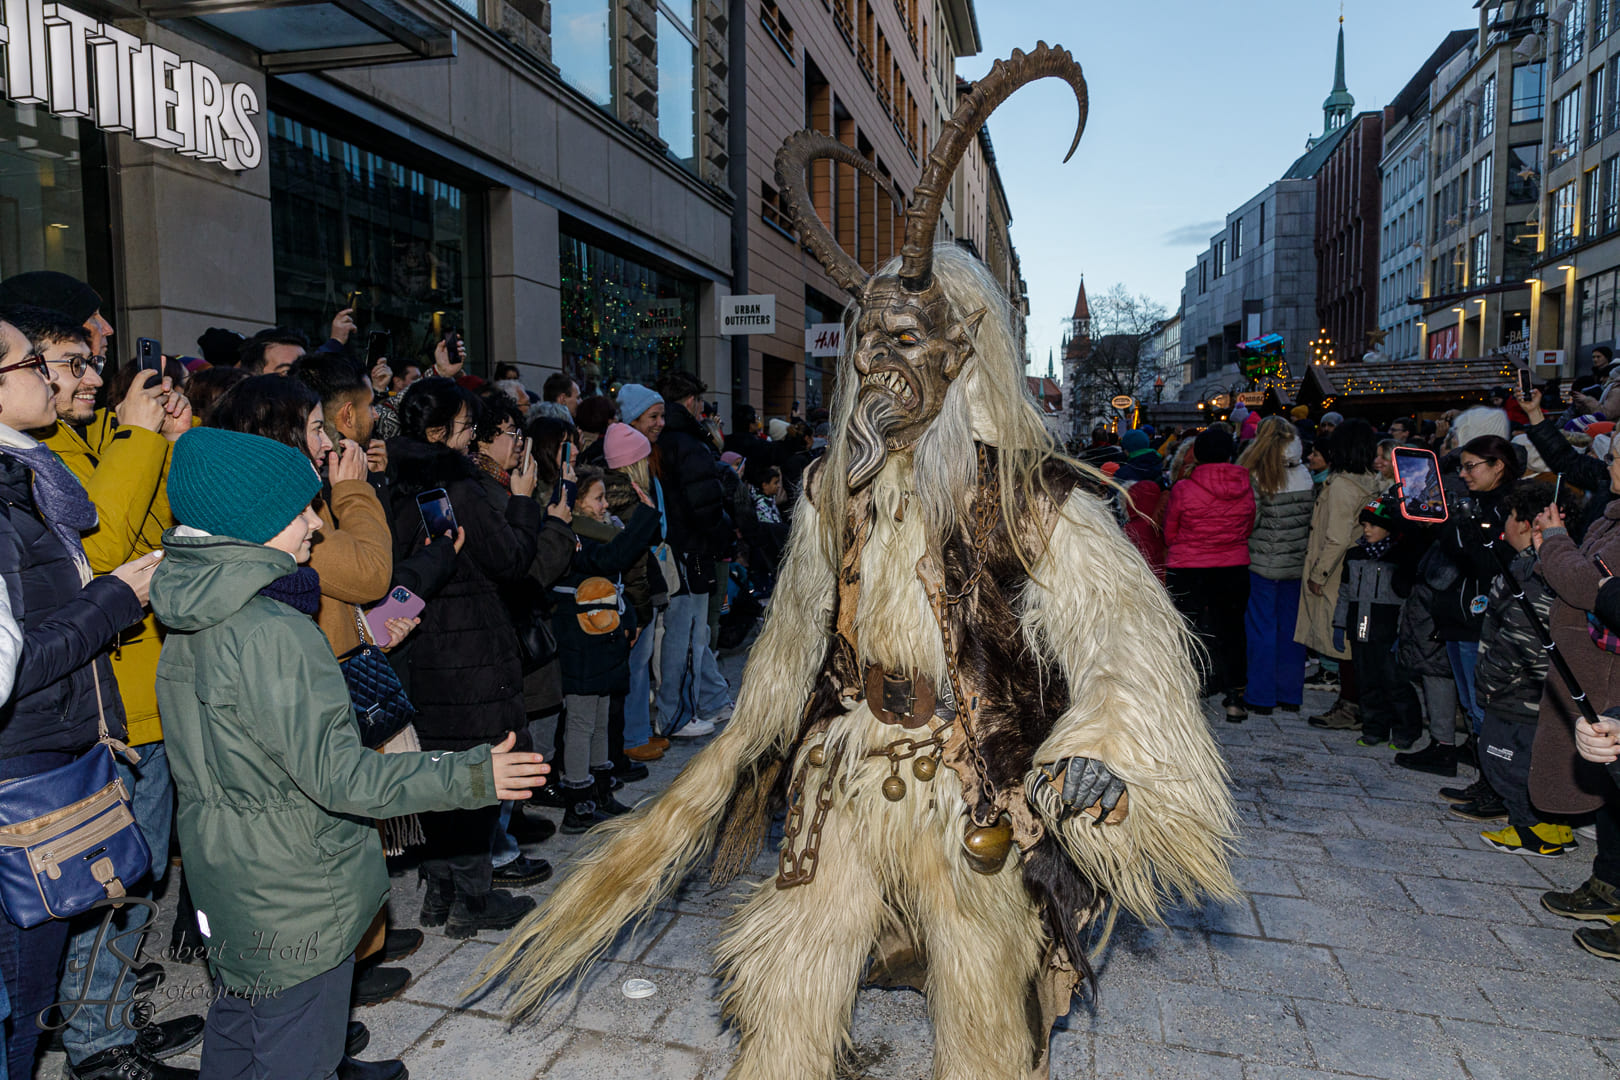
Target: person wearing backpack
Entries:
(595, 630)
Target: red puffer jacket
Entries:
(1210, 516)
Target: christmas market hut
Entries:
(1380, 392)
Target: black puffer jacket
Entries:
(700, 530)
(67, 628)
(466, 677)
(1458, 567)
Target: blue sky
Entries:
(1195, 107)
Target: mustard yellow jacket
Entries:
(124, 471)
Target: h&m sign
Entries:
(76, 66)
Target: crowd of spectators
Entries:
(1305, 564)
(193, 548)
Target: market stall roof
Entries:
(1459, 382)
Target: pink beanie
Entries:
(1251, 424)
(624, 445)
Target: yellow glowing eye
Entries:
(908, 339)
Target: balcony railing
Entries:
(845, 25)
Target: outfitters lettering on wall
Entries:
(75, 66)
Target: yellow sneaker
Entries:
(1534, 842)
(1561, 835)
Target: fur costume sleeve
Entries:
(1095, 609)
(639, 859)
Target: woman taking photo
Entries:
(1351, 452)
(1460, 570)
(1284, 498)
(466, 673)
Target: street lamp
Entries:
(1158, 389)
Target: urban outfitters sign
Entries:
(74, 65)
(748, 314)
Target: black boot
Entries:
(1436, 758)
(126, 1061)
(350, 1069)
(436, 902)
(529, 830)
(582, 812)
(1468, 752)
(605, 786)
(494, 910)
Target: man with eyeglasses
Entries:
(121, 457)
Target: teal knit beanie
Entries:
(228, 483)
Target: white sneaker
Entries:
(723, 714)
(695, 730)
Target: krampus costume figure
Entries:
(978, 701)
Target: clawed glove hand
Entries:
(1087, 783)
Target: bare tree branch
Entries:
(1122, 359)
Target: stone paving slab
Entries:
(1378, 939)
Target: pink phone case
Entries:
(401, 604)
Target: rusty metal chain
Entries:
(986, 516)
(800, 869)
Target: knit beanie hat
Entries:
(1600, 446)
(51, 289)
(1300, 412)
(635, 399)
(229, 483)
(1331, 418)
(1133, 442)
(221, 347)
(1602, 427)
(624, 445)
(1381, 512)
(732, 458)
(1212, 447)
(778, 429)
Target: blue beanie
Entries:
(635, 399)
(1133, 441)
(229, 483)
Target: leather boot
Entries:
(1343, 716)
(436, 902)
(494, 910)
(582, 812)
(1437, 759)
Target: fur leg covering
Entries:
(639, 859)
(792, 960)
(1096, 609)
(985, 944)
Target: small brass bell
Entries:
(817, 756)
(987, 846)
(894, 788)
(924, 768)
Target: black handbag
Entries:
(380, 705)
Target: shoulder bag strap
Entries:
(364, 629)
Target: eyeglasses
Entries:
(1470, 466)
(77, 365)
(32, 360)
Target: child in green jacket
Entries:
(276, 791)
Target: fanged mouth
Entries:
(896, 385)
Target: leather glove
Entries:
(1087, 783)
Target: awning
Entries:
(312, 35)
(1412, 382)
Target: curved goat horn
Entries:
(792, 162)
(928, 198)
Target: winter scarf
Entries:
(300, 590)
(1377, 549)
(487, 463)
(60, 497)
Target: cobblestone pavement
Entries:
(1380, 937)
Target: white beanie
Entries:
(1600, 446)
(1480, 420)
(1534, 462)
(778, 429)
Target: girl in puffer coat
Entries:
(1284, 497)
(1207, 524)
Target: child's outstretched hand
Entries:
(516, 774)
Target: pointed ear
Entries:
(961, 337)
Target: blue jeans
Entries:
(90, 1031)
(1276, 660)
(637, 703)
(684, 686)
(1464, 655)
(503, 849)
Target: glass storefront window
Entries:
(582, 46)
(349, 220)
(53, 212)
(677, 98)
(622, 320)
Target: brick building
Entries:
(1349, 203)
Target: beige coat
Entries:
(1334, 527)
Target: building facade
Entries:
(875, 76)
(1404, 171)
(1349, 214)
(555, 189)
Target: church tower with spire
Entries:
(1340, 105)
